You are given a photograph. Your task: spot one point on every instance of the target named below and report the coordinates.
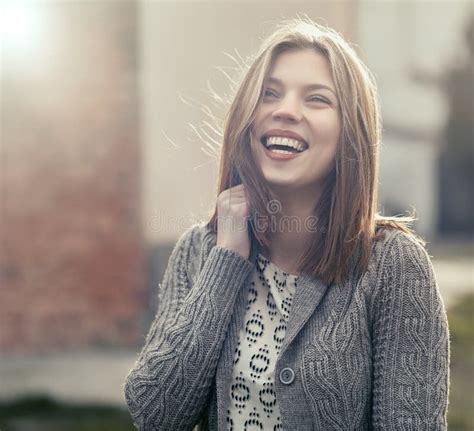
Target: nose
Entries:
(288, 109)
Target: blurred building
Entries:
(102, 164)
(408, 46)
(71, 253)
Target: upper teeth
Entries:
(289, 142)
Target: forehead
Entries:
(302, 67)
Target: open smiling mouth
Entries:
(280, 145)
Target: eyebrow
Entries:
(308, 87)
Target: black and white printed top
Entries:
(253, 401)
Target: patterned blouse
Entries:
(253, 400)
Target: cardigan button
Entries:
(287, 375)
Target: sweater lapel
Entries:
(309, 293)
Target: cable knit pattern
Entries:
(170, 383)
(369, 353)
(411, 344)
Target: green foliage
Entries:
(461, 399)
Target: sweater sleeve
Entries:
(169, 385)
(411, 348)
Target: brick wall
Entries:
(72, 270)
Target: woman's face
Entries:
(299, 107)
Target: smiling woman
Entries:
(325, 316)
(308, 84)
(295, 107)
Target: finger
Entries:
(237, 187)
(237, 194)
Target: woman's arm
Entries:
(411, 343)
(170, 383)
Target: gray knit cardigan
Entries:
(370, 353)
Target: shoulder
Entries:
(401, 250)
(193, 245)
(194, 236)
(404, 272)
(398, 260)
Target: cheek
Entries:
(260, 115)
(255, 128)
(328, 128)
(254, 145)
(254, 134)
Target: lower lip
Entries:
(280, 156)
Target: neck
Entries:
(293, 227)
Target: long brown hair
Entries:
(347, 211)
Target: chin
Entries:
(281, 183)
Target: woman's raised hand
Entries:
(232, 216)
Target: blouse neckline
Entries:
(277, 269)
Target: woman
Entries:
(297, 306)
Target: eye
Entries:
(270, 93)
(318, 99)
